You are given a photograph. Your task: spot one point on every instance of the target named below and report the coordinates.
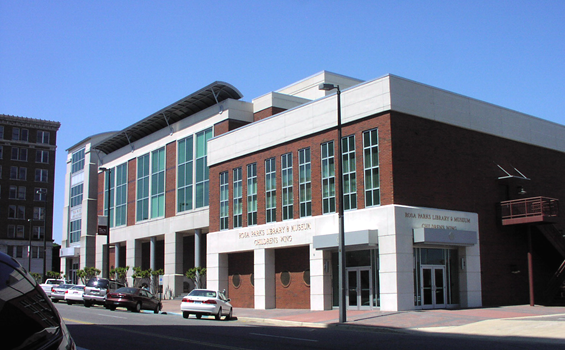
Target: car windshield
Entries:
(202, 293)
(127, 290)
(99, 283)
(78, 287)
(65, 286)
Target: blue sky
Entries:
(99, 66)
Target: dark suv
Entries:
(96, 290)
(28, 319)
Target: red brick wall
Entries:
(295, 261)
(381, 122)
(171, 180)
(259, 158)
(227, 125)
(442, 166)
(267, 112)
(132, 174)
(294, 296)
(241, 264)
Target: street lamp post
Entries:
(41, 191)
(29, 251)
(108, 173)
(341, 243)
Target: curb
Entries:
(268, 321)
(286, 323)
(282, 323)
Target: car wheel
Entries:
(137, 307)
(87, 303)
(229, 316)
(55, 300)
(185, 314)
(218, 316)
(113, 308)
(157, 309)
(198, 316)
(69, 302)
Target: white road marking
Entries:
(278, 336)
(123, 318)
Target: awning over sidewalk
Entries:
(445, 237)
(355, 238)
(70, 252)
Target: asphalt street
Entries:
(96, 328)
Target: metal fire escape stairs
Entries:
(540, 213)
(555, 287)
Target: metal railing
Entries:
(534, 207)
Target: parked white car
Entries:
(74, 295)
(206, 302)
(58, 291)
(50, 283)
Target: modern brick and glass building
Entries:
(449, 201)
(27, 178)
(80, 214)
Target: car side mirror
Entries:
(229, 299)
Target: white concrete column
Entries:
(470, 277)
(396, 261)
(152, 252)
(117, 254)
(264, 276)
(197, 248)
(133, 257)
(66, 264)
(217, 271)
(320, 279)
(100, 259)
(174, 274)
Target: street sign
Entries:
(102, 225)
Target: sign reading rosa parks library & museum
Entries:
(278, 235)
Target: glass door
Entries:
(359, 288)
(433, 286)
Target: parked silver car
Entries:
(49, 283)
(96, 290)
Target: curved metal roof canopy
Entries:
(193, 103)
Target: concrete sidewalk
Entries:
(543, 322)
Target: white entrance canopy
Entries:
(357, 238)
(445, 237)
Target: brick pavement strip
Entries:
(539, 322)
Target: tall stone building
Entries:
(27, 178)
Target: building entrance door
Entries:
(359, 288)
(433, 292)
